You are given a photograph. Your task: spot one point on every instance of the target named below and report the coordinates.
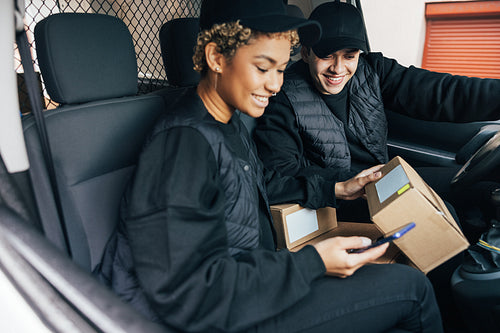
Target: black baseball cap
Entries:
(342, 28)
(261, 15)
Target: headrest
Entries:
(86, 57)
(178, 39)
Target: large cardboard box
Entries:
(401, 196)
(297, 227)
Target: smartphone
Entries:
(392, 236)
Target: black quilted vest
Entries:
(322, 133)
(237, 178)
(241, 207)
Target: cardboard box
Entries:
(370, 230)
(401, 196)
(297, 227)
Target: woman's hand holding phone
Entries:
(340, 263)
(392, 236)
(342, 256)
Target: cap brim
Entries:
(309, 31)
(328, 46)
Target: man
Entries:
(329, 118)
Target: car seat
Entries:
(178, 40)
(89, 67)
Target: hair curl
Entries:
(229, 37)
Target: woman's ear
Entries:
(215, 60)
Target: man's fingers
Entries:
(369, 178)
(370, 171)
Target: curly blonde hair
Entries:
(229, 37)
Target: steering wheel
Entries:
(484, 160)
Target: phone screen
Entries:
(392, 236)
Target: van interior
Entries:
(103, 72)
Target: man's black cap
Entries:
(342, 28)
(261, 15)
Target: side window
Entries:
(143, 18)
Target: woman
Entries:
(195, 248)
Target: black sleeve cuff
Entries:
(310, 260)
(328, 189)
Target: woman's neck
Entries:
(214, 103)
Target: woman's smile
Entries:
(262, 101)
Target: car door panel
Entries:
(429, 143)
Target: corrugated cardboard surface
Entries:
(436, 236)
(326, 217)
(370, 230)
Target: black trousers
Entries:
(377, 298)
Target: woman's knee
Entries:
(412, 281)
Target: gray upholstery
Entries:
(96, 136)
(82, 62)
(177, 40)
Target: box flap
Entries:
(287, 208)
(430, 195)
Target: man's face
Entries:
(331, 74)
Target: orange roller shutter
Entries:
(463, 38)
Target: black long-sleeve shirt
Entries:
(179, 240)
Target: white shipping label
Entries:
(301, 223)
(391, 183)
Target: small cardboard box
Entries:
(295, 225)
(400, 197)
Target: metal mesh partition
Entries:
(143, 18)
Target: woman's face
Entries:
(254, 74)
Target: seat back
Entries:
(89, 66)
(178, 40)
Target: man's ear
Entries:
(304, 53)
(215, 60)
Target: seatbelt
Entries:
(36, 107)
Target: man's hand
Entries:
(355, 187)
(340, 263)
